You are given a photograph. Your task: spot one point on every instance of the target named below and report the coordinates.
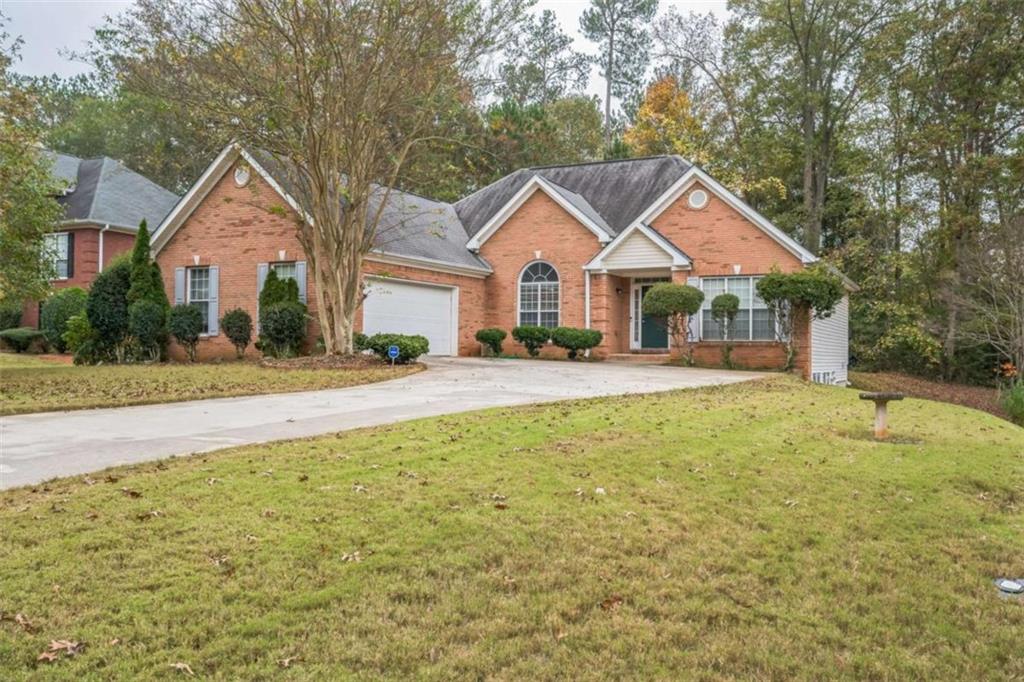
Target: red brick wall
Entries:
(541, 225)
(234, 229)
(86, 263)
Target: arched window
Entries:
(538, 295)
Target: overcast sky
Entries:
(50, 27)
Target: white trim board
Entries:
(697, 175)
(519, 198)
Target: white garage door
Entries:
(407, 308)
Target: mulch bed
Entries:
(979, 397)
(66, 359)
(357, 361)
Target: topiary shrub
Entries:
(21, 339)
(532, 337)
(410, 346)
(81, 341)
(10, 315)
(676, 303)
(237, 326)
(282, 329)
(107, 308)
(57, 310)
(185, 323)
(813, 292)
(575, 340)
(1013, 403)
(492, 338)
(147, 322)
(724, 309)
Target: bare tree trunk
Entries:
(609, 75)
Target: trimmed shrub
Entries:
(676, 303)
(57, 310)
(147, 322)
(532, 337)
(237, 326)
(360, 342)
(185, 323)
(1013, 403)
(277, 290)
(10, 315)
(492, 338)
(282, 329)
(107, 308)
(815, 291)
(575, 340)
(21, 339)
(410, 346)
(724, 309)
(80, 340)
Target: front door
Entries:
(651, 332)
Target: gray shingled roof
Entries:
(106, 192)
(618, 191)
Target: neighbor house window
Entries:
(58, 249)
(538, 295)
(199, 293)
(753, 321)
(285, 270)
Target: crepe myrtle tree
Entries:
(791, 296)
(676, 303)
(336, 94)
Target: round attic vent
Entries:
(698, 198)
(241, 176)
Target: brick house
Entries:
(104, 201)
(575, 245)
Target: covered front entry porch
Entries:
(616, 310)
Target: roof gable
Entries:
(640, 247)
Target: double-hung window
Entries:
(58, 249)
(539, 295)
(198, 289)
(285, 270)
(753, 320)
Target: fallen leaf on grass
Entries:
(286, 662)
(501, 505)
(211, 481)
(611, 603)
(58, 647)
(131, 493)
(150, 515)
(110, 478)
(182, 667)
(114, 642)
(359, 488)
(89, 481)
(268, 513)
(303, 478)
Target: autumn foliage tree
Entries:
(667, 124)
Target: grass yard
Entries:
(979, 397)
(754, 531)
(29, 384)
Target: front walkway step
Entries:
(640, 358)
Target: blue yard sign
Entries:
(393, 353)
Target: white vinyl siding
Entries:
(753, 321)
(638, 251)
(830, 346)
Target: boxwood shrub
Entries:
(575, 340)
(532, 337)
(237, 326)
(57, 310)
(21, 339)
(492, 338)
(410, 346)
(282, 329)
(185, 323)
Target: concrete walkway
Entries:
(37, 447)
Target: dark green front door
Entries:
(653, 330)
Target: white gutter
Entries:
(100, 264)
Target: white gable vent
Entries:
(698, 198)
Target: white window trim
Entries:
(753, 291)
(188, 294)
(519, 294)
(67, 238)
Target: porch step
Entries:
(640, 358)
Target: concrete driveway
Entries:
(37, 447)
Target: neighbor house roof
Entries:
(106, 192)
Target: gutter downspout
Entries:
(586, 299)
(100, 264)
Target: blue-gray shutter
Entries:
(179, 286)
(300, 278)
(694, 322)
(261, 277)
(214, 295)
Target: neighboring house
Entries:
(575, 245)
(104, 202)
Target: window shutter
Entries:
(214, 295)
(179, 286)
(693, 334)
(71, 255)
(261, 277)
(300, 278)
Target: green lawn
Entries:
(748, 532)
(29, 384)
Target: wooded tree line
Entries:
(885, 135)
